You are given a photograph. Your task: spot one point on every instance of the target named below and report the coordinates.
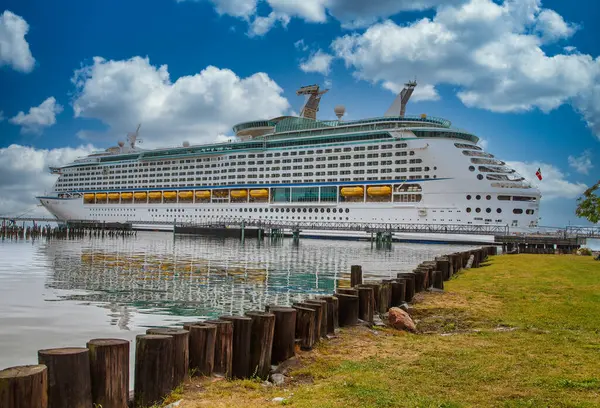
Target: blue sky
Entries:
(524, 75)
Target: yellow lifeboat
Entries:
(220, 193)
(101, 196)
(170, 195)
(114, 196)
(155, 195)
(203, 194)
(128, 196)
(378, 191)
(88, 197)
(140, 196)
(262, 193)
(239, 193)
(352, 191)
(186, 195)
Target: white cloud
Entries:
(553, 184)
(424, 92)
(196, 108)
(14, 49)
(489, 51)
(39, 117)
(236, 8)
(25, 174)
(484, 143)
(317, 62)
(300, 45)
(262, 25)
(582, 163)
(551, 26)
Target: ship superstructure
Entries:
(390, 169)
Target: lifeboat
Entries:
(262, 193)
(352, 191)
(114, 196)
(186, 195)
(220, 193)
(101, 196)
(140, 196)
(88, 198)
(128, 196)
(378, 191)
(155, 195)
(239, 193)
(170, 195)
(203, 194)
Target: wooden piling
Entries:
(347, 291)
(24, 387)
(202, 339)
(284, 333)
(181, 352)
(261, 343)
(324, 314)
(375, 287)
(366, 303)
(242, 332)
(153, 378)
(398, 286)
(409, 290)
(348, 310)
(318, 318)
(69, 383)
(355, 275)
(223, 347)
(332, 314)
(109, 371)
(438, 280)
(385, 297)
(305, 327)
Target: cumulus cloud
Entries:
(14, 49)
(553, 184)
(582, 163)
(491, 52)
(262, 25)
(25, 175)
(300, 45)
(38, 117)
(197, 107)
(318, 61)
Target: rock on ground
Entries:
(401, 320)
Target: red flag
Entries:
(538, 173)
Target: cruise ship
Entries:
(390, 169)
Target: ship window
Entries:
(468, 209)
(479, 177)
(517, 211)
(529, 212)
(499, 210)
(504, 198)
(471, 168)
(478, 210)
(488, 197)
(478, 197)
(488, 210)
(468, 197)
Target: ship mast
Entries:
(402, 100)
(311, 106)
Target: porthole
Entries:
(293, 210)
(468, 197)
(478, 210)
(322, 210)
(310, 210)
(328, 210)
(488, 210)
(479, 177)
(304, 209)
(488, 197)
(478, 197)
(499, 210)
(471, 168)
(287, 210)
(347, 210)
(468, 209)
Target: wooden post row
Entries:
(284, 333)
(109, 370)
(69, 383)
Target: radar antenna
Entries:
(311, 106)
(402, 99)
(132, 136)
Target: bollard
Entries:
(69, 383)
(355, 275)
(305, 327)
(242, 332)
(348, 310)
(181, 352)
(24, 387)
(261, 343)
(201, 345)
(153, 379)
(109, 370)
(284, 333)
(366, 303)
(223, 347)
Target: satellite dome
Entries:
(186, 144)
(121, 143)
(339, 110)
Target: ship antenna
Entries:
(132, 136)
(311, 106)
(402, 99)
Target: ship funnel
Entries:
(311, 106)
(402, 100)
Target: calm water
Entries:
(63, 293)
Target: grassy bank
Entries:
(523, 331)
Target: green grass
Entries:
(522, 331)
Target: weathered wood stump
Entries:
(443, 265)
(419, 280)
(385, 297)
(242, 333)
(109, 370)
(24, 387)
(69, 383)
(318, 318)
(284, 333)
(305, 326)
(153, 378)
(324, 314)
(347, 291)
(398, 286)
(223, 347)
(375, 287)
(181, 352)
(331, 313)
(409, 290)
(355, 275)
(202, 341)
(261, 343)
(438, 280)
(366, 303)
(348, 310)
